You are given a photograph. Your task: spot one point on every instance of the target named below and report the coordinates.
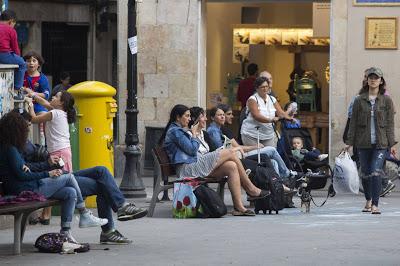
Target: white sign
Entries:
(133, 44)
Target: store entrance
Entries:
(290, 40)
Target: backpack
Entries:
(267, 179)
(58, 243)
(212, 204)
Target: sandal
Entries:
(367, 209)
(247, 212)
(263, 194)
(375, 210)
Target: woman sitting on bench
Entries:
(52, 184)
(183, 149)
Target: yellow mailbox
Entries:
(96, 109)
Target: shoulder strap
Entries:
(247, 109)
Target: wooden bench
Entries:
(21, 212)
(165, 172)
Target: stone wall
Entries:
(167, 60)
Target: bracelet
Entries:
(33, 95)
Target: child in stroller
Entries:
(300, 153)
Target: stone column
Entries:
(167, 60)
(338, 77)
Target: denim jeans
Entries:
(66, 189)
(99, 181)
(276, 159)
(371, 163)
(12, 58)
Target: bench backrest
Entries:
(167, 169)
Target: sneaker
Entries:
(68, 234)
(87, 219)
(292, 173)
(114, 237)
(323, 156)
(389, 187)
(130, 211)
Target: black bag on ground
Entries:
(263, 176)
(53, 243)
(212, 204)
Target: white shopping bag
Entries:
(345, 174)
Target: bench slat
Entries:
(21, 206)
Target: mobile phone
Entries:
(61, 163)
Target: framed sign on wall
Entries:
(381, 33)
(376, 2)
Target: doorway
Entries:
(225, 69)
(64, 48)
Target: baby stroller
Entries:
(315, 173)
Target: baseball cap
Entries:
(374, 70)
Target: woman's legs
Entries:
(371, 163)
(68, 197)
(229, 168)
(228, 155)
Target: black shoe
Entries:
(263, 194)
(114, 237)
(130, 211)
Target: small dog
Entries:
(305, 197)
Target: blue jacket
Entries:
(14, 177)
(42, 88)
(215, 133)
(180, 146)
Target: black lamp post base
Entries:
(132, 185)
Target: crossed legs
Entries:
(229, 165)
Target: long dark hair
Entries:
(177, 110)
(14, 130)
(195, 113)
(382, 87)
(68, 102)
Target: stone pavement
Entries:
(335, 234)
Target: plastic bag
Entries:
(184, 201)
(345, 174)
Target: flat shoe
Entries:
(366, 209)
(247, 212)
(376, 211)
(263, 194)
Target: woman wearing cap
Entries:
(371, 130)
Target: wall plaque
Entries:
(381, 33)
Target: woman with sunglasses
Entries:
(262, 112)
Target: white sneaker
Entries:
(292, 173)
(323, 156)
(69, 235)
(87, 219)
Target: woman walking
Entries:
(371, 130)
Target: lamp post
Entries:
(132, 185)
